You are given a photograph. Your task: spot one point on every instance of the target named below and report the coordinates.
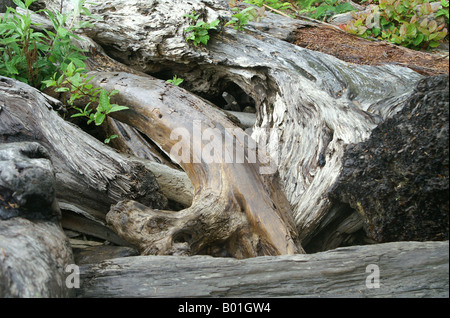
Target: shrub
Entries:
(410, 23)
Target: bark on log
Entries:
(310, 105)
(34, 251)
(406, 269)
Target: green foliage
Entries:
(75, 83)
(275, 4)
(175, 80)
(49, 59)
(31, 56)
(443, 11)
(403, 22)
(323, 9)
(241, 18)
(199, 32)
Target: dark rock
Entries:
(398, 179)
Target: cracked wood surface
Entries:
(407, 269)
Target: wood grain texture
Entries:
(234, 208)
(407, 269)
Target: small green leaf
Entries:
(28, 2)
(11, 69)
(49, 83)
(433, 44)
(411, 30)
(376, 32)
(418, 39)
(99, 118)
(20, 4)
(78, 115)
(103, 102)
(91, 118)
(116, 108)
(62, 89)
(214, 24)
(107, 140)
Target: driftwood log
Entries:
(229, 231)
(406, 269)
(243, 214)
(34, 250)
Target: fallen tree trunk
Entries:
(406, 269)
(309, 105)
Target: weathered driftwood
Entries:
(90, 176)
(310, 105)
(34, 251)
(406, 269)
(234, 211)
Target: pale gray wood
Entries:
(407, 269)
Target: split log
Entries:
(310, 105)
(34, 251)
(406, 269)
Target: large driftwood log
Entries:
(234, 211)
(34, 251)
(406, 269)
(310, 105)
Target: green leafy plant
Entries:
(21, 47)
(31, 56)
(241, 18)
(175, 80)
(75, 83)
(274, 4)
(405, 23)
(199, 32)
(323, 9)
(49, 59)
(329, 8)
(443, 11)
